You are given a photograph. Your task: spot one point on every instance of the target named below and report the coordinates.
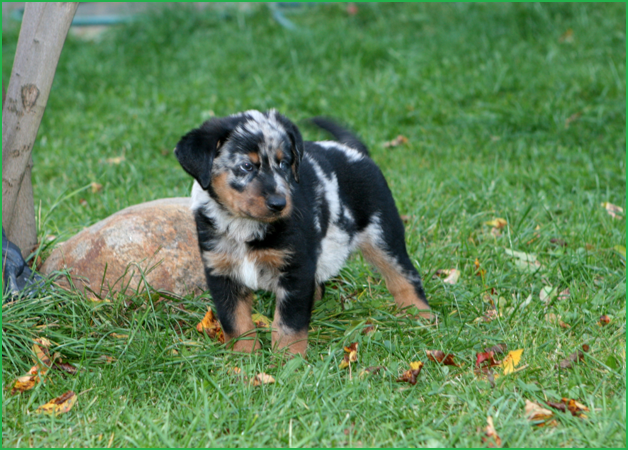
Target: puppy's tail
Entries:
(341, 134)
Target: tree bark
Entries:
(44, 29)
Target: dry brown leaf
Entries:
(65, 367)
(536, 413)
(614, 211)
(41, 358)
(558, 242)
(572, 359)
(492, 439)
(440, 357)
(96, 187)
(490, 315)
(399, 140)
(410, 376)
(59, 405)
(262, 378)
(25, 382)
(351, 355)
(605, 320)
(368, 328)
(574, 407)
(107, 359)
(211, 327)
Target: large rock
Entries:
(157, 239)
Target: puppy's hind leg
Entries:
(383, 245)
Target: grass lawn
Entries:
(513, 111)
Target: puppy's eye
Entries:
(283, 165)
(246, 167)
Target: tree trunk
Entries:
(44, 29)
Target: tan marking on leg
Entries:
(282, 337)
(400, 288)
(244, 327)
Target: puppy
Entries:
(276, 213)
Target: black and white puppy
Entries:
(276, 213)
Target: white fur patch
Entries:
(351, 153)
(337, 244)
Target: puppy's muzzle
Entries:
(276, 203)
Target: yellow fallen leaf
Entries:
(115, 160)
(490, 432)
(119, 336)
(25, 382)
(498, 223)
(261, 321)
(262, 378)
(511, 361)
(59, 405)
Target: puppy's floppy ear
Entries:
(297, 144)
(198, 148)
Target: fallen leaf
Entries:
(351, 355)
(511, 361)
(574, 407)
(96, 187)
(490, 315)
(605, 320)
(369, 328)
(440, 357)
(115, 160)
(614, 211)
(492, 439)
(65, 367)
(481, 358)
(59, 405)
(262, 378)
(261, 321)
(405, 218)
(498, 223)
(211, 327)
(564, 295)
(41, 358)
(374, 370)
(558, 242)
(524, 261)
(119, 336)
(548, 293)
(536, 413)
(107, 359)
(25, 382)
(556, 319)
(452, 278)
(572, 359)
(410, 376)
(399, 140)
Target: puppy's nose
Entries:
(276, 203)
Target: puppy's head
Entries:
(246, 162)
